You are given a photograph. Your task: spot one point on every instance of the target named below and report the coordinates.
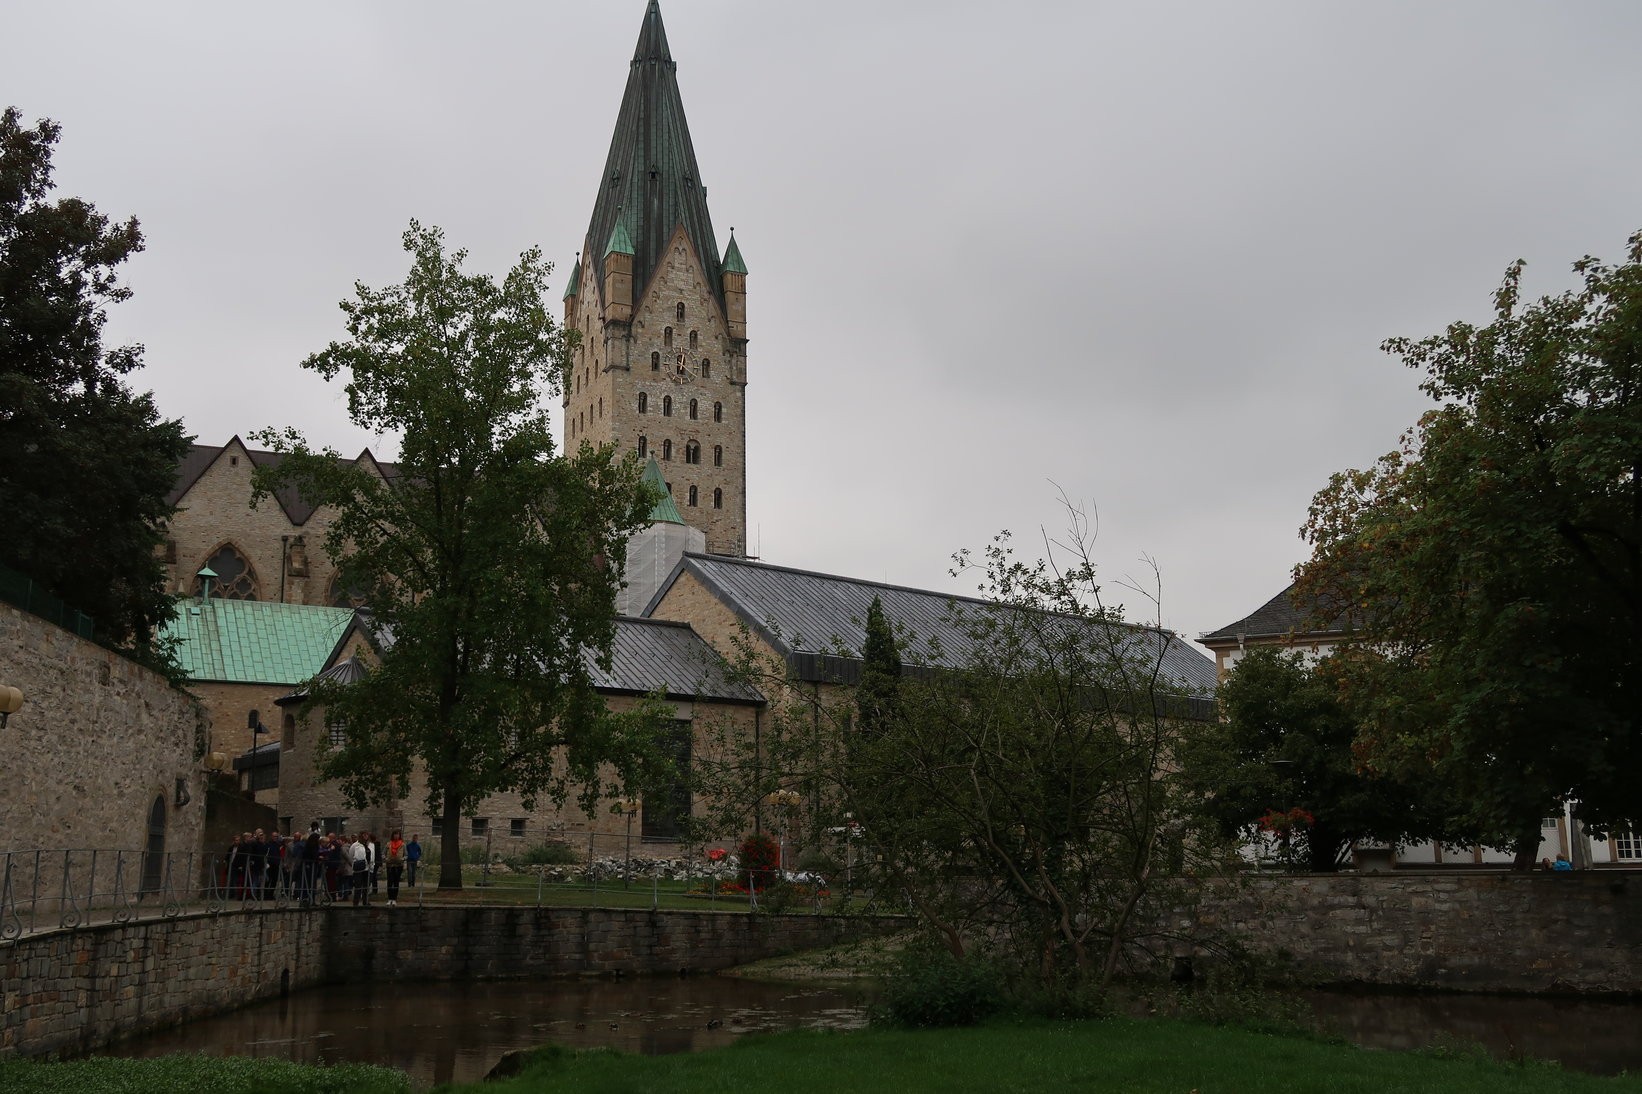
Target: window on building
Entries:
(666, 406)
(718, 455)
(664, 811)
(680, 313)
(666, 450)
(336, 733)
(516, 827)
(1627, 846)
(339, 825)
(693, 413)
(601, 406)
(481, 826)
(644, 447)
(718, 412)
(693, 338)
(667, 337)
(718, 498)
(438, 824)
(692, 452)
(692, 497)
(235, 579)
(644, 402)
(655, 361)
(706, 369)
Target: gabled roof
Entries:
(648, 655)
(651, 170)
(200, 457)
(1279, 617)
(809, 618)
(255, 641)
(654, 654)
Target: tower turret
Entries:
(735, 291)
(618, 275)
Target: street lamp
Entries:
(11, 701)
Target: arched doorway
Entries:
(154, 852)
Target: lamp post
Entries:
(11, 701)
(628, 806)
(253, 722)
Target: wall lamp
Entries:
(11, 701)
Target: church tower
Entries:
(661, 370)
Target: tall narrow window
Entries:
(693, 338)
(666, 406)
(718, 455)
(718, 498)
(680, 311)
(692, 410)
(666, 450)
(692, 452)
(236, 580)
(718, 412)
(706, 369)
(644, 447)
(601, 406)
(644, 402)
(667, 337)
(692, 500)
(655, 361)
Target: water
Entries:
(443, 1033)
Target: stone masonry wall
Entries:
(98, 741)
(1541, 932)
(75, 991)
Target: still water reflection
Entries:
(441, 1033)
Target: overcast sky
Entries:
(1144, 253)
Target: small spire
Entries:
(732, 257)
(652, 38)
(665, 510)
(620, 242)
(575, 285)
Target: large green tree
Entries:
(1283, 753)
(489, 563)
(85, 462)
(1492, 565)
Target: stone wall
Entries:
(1542, 932)
(98, 742)
(75, 991)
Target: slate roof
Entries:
(811, 618)
(651, 183)
(255, 641)
(1279, 617)
(201, 456)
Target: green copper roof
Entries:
(651, 170)
(620, 242)
(575, 285)
(666, 510)
(732, 257)
(254, 641)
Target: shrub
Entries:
(760, 858)
(552, 853)
(929, 987)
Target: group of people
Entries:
(340, 867)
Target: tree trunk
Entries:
(1527, 845)
(450, 843)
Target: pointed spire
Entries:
(620, 242)
(665, 510)
(732, 257)
(652, 37)
(575, 286)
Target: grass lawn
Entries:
(1138, 1055)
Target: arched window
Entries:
(601, 406)
(667, 450)
(693, 337)
(644, 447)
(706, 369)
(692, 500)
(644, 402)
(681, 313)
(718, 412)
(692, 452)
(235, 579)
(345, 593)
(666, 406)
(667, 337)
(692, 410)
(655, 361)
(153, 876)
(718, 455)
(718, 498)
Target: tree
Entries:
(491, 563)
(1492, 565)
(1282, 754)
(876, 696)
(86, 464)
